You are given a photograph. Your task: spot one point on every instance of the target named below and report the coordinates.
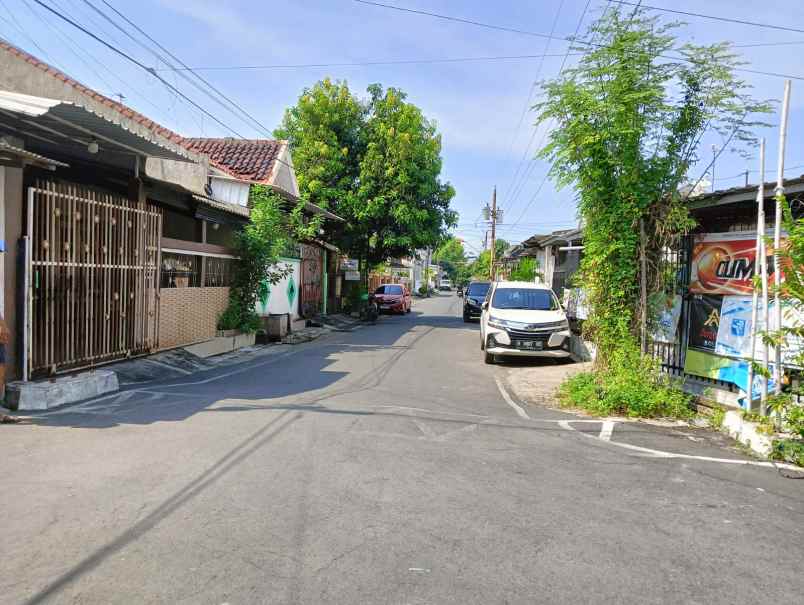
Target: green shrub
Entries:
(423, 290)
(789, 450)
(630, 385)
(717, 418)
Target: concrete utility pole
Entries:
(493, 231)
(777, 241)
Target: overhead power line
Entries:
(362, 63)
(237, 108)
(715, 17)
(565, 38)
(138, 64)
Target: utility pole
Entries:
(777, 235)
(493, 230)
(714, 157)
(492, 216)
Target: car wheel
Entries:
(489, 358)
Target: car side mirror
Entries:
(485, 306)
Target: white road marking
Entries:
(606, 430)
(661, 454)
(517, 408)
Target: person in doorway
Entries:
(5, 336)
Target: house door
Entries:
(92, 277)
(312, 275)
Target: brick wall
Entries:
(189, 315)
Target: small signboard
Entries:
(352, 275)
(350, 264)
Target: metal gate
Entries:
(312, 271)
(92, 277)
(672, 356)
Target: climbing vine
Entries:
(626, 125)
(258, 245)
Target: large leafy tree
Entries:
(481, 268)
(376, 163)
(452, 257)
(627, 123)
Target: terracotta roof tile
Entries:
(250, 160)
(125, 111)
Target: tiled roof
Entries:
(126, 112)
(249, 160)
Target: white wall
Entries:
(278, 301)
(227, 190)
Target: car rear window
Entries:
(477, 290)
(388, 290)
(524, 298)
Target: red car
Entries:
(394, 298)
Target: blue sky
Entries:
(477, 105)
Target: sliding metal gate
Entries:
(92, 277)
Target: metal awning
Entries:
(221, 206)
(28, 157)
(57, 122)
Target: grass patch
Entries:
(789, 450)
(631, 385)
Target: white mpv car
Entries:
(524, 319)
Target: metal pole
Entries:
(493, 231)
(777, 239)
(753, 331)
(763, 264)
(714, 157)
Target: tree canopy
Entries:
(376, 163)
(627, 123)
(452, 258)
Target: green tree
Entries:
(376, 163)
(526, 270)
(325, 130)
(627, 122)
(481, 267)
(452, 257)
(258, 247)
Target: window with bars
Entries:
(180, 270)
(219, 272)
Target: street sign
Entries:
(352, 275)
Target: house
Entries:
(713, 270)
(558, 256)
(236, 165)
(117, 232)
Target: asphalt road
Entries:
(379, 466)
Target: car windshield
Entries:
(389, 290)
(524, 298)
(478, 290)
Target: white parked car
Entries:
(523, 319)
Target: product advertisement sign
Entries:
(667, 316)
(724, 263)
(704, 322)
(734, 333)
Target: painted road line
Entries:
(517, 408)
(662, 454)
(606, 430)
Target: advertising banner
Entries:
(704, 322)
(667, 315)
(724, 263)
(734, 333)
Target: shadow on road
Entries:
(305, 369)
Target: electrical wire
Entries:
(713, 17)
(264, 129)
(138, 64)
(361, 63)
(528, 101)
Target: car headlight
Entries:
(496, 322)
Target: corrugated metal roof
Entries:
(30, 156)
(223, 206)
(41, 115)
